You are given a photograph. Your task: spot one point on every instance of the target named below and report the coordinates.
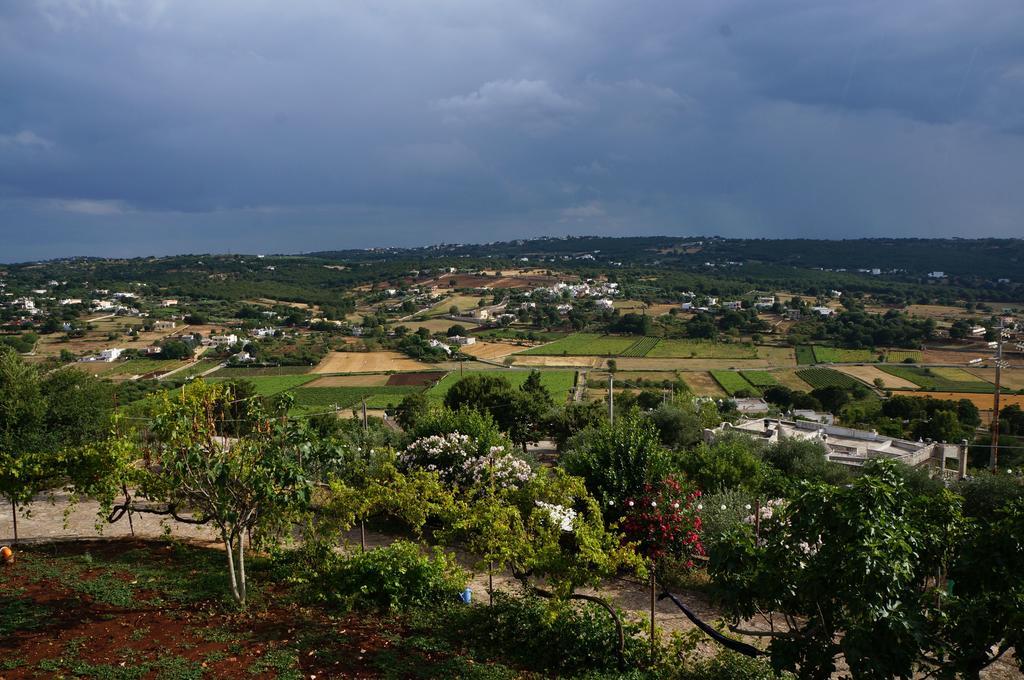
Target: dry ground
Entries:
(948, 356)
(490, 350)
(1012, 379)
(702, 384)
(651, 364)
(869, 373)
(791, 380)
(562, 361)
(367, 362)
(432, 325)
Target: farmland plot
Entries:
(702, 384)
(826, 377)
(945, 379)
(326, 398)
(675, 348)
(760, 379)
(585, 344)
(805, 355)
(835, 355)
(898, 356)
(641, 347)
(269, 385)
(367, 362)
(732, 382)
(869, 374)
(558, 383)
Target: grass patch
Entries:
(585, 344)
(732, 382)
(641, 347)
(805, 355)
(269, 385)
(243, 371)
(760, 379)
(835, 355)
(826, 377)
(20, 613)
(558, 383)
(702, 349)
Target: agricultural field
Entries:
(513, 333)
(760, 379)
(198, 368)
(697, 349)
(325, 398)
(942, 379)
(869, 374)
(359, 380)
(465, 303)
(790, 379)
(826, 377)
(982, 401)
(641, 347)
(733, 382)
(247, 371)
(835, 355)
(134, 367)
(1008, 380)
(898, 356)
(702, 384)
(805, 355)
(585, 344)
(367, 362)
(489, 350)
(269, 385)
(558, 361)
(558, 383)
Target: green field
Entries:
(898, 356)
(826, 377)
(641, 347)
(805, 355)
(585, 344)
(558, 383)
(732, 382)
(760, 379)
(517, 334)
(702, 349)
(835, 355)
(326, 398)
(941, 379)
(198, 367)
(269, 385)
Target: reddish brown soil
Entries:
(415, 379)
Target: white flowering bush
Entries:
(455, 457)
(560, 516)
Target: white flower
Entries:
(630, 503)
(676, 505)
(723, 506)
(653, 504)
(562, 516)
(747, 506)
(700, 506)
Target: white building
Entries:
(823, 311)
(732, 304)
(169, 303)
(462, 340)
(686, 306)
(163, 325)
(765, 302)
(605, 304)
(437, 343)
(109, 354)
(71, 301)
(936, 275)
(266, 332)
(847, 446)
(222, 340)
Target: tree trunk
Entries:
(242, 586)
(653, 639)
(14, 518)
(229, 549)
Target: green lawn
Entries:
(732, 382)
(826, 377)
(585, 344)
(835, 355)
(702, 349)
(941, 379)
(558, 383)
(898, 356)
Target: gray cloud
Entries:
(142, 126)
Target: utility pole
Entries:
(611, 398)
(365, 425)
(994, 459)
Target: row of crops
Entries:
(733, 382)
(942, 379)
(593, 344)
(826, 377)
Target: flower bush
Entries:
(455, 457)
(665, 521)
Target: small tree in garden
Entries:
(664, 521)
(233, 483)
(845, 568)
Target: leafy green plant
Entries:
(395, 578)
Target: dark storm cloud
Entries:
(131, 127)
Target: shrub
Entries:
(730, 666)
(395, 578)
(722, 512)
(546, 636)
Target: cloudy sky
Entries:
(146, 127)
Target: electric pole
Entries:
(611, 398)
(995, 399)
